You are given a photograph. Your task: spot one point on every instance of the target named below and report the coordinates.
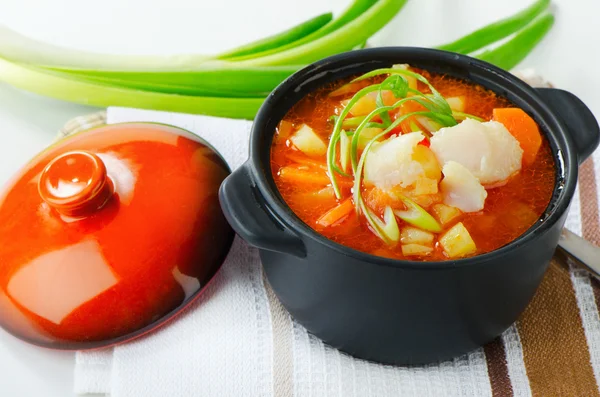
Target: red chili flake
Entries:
(396, 131)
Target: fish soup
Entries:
(407, 164)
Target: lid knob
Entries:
(75, 183)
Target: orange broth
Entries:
(509, 210)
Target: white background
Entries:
(569, 57)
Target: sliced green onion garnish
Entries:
(344, 151)
(388, 229)
(335, 136)
(353, 122)
(334, 166)
(417, 216)
(438, 111)
(434, 101)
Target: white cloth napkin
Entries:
(237, 340)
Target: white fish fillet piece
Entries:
(461, 189)
(390, 162)
(487, 150)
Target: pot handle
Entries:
(578, 118)
(246, 212)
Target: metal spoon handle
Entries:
(582, 250)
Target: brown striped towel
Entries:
(552, 350)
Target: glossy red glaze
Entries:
(108, 234)
(76, 184)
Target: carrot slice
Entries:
(302, 159)
(410, 123)
(284, 130)
(336, 214)
(523, 128)
(309, 177)
(377, 200)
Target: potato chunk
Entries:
(308, 142)
(457, 242)
(368, 103)
(457, 103)
(445, 214)
(366, 135)
(284, 130)
(428, 161)
(413, 235)
(416, 250)
(425, 186)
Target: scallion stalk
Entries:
(235, 87)
(222, 79)
(46, 83)
(18, 48)
(15, 47)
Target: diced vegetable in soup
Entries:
(408, 164)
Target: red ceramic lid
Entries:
(108, 234)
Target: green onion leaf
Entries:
(343, 39)
(356, 190)
(359, 130)
(352, 122)
(221, 79)
(441, 105)
(509, 54)
(361, 46)
(280, 39)
(356, 8)
(496, 31)
(397, 84)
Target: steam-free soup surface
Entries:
(469, 209)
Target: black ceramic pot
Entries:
(392, 311)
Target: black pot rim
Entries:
(566, 160)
